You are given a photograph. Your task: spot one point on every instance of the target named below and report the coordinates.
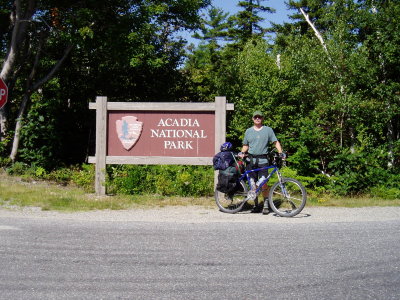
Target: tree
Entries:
(204, 61)
(21, 45)
(246, 23)
(105, 39)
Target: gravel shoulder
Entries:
(190, 214)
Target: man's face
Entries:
(257, 120)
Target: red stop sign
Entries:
(3, 93)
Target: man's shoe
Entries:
(228, 197)
(256, 209)
(266, 210)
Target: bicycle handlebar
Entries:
(274, 158)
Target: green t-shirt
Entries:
(258, 140)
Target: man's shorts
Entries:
(259, 174)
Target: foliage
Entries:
(166, 180)
(17, 168)
(84, 177)
(128, 50)
(335, 107)
(360, 172)
(40, 136)
(81, 176)
(246, 24)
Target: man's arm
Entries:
(245, 148)
(278, 146)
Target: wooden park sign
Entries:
(149, 133)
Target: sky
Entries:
(230, 6)
(278, 17)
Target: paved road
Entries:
(184, 253)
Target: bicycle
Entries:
(287, 197)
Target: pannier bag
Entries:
(227, 180)
(226, 163)
(223, 160)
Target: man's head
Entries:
(258, 117)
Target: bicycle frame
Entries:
(270, 174)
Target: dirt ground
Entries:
(190, 214)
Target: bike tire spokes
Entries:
(288, 198)
(232, 202)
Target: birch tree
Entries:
(30, 31)
(19, 19)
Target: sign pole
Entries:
(220, 128)
(101, 140)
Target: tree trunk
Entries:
(3, 122)
(18, 33)
(30, 88)
(18, 127)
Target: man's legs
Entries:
(265, 191)
(253, 179)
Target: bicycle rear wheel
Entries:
(288, 198)
(232, 203)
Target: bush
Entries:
(84, 177)
(359, 172)
(5, 162)
(385, 192)
(127, 179)
(166, 180)
(17, 168)
(61, 176)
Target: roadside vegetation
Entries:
(17, 192)
(72, 189)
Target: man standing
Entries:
(255, 143)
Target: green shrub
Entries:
(316, 181)
(127, 179)
(166, 180)
(5, 162)
(62, 175)
(17, 168)
(84, 177)
(358, 172)
(385, 192)
(40, 172)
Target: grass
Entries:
(326, 200)
(17, 192)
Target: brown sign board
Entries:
(144, 133)
(157, 133)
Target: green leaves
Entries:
(331, 108)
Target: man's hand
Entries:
(282, 155)
(241, 154)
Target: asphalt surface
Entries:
(197, 253)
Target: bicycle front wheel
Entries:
(287, 198)
(233, 202)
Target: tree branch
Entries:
(17, 35)
(55, 68)
(317, 33)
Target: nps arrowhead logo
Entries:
(129, 130)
